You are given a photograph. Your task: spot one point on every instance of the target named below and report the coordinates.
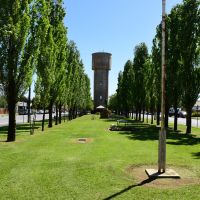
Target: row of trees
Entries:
(139, 85)
(33, 39)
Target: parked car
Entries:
(39, 112)
(171, 112)
(182, 113)
(22, 112)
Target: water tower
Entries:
(101, 64)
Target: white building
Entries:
(196, 107)
(21, 108)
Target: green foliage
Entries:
(156, 61)
(196, 114)
(119, 93)
(61, 77)
(105, 113)
(18, 51)
(113, 103)
(78, 95)
(3, 102)
(189, 50)
(33, 38)
(44, 72)
(140, 56)
(131, 87)
(126, 86)
(149, 84)
(174, 57)
(141, 89)
(17, 45)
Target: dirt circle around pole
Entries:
(188, 176)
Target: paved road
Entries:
(19, 119)
(23, 119)
(195, 122)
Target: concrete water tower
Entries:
(101, 64)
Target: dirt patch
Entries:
(188, 177)
(83, 140)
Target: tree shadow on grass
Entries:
(25, 127)
(132, 121)
(196, 155)
(143, 132)
(110, 120)
(3, 129)
(21, 128)
(149, 180)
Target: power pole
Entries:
(162, 133)
(162, 172)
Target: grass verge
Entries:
(53, 165)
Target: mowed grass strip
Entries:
(54, 165)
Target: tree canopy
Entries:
(141, 87)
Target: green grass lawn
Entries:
(52, 165)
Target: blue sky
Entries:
(114, 26)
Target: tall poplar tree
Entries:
(156, 62)
(140, 56)
(189, 50)
(18, 47)
(45, 57)
(149, 81)
(126, 87)
(57, 65)
(174, 60)
(119, 93)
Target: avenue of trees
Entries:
(139, 85)
(33, 40)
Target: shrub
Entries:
(105, 113)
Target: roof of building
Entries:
(197, 103)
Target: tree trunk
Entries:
(70, 114)
(64, 113)
(11, 109)
(175, 118)
(73, 113)
(140, 115)
(56, 119)
(147, 117)
(127, 113)
(50, 115)
(188, 117)
(167, 116)
(60, 112)
(11, 91)
(152, 115)
(29, 105)
(43, 119)
(158, 117)
(76, 113)
(12, 121)
(143, 116)
(136, 115)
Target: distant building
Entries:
(101, 64)
(21, 108)
(196, 107)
